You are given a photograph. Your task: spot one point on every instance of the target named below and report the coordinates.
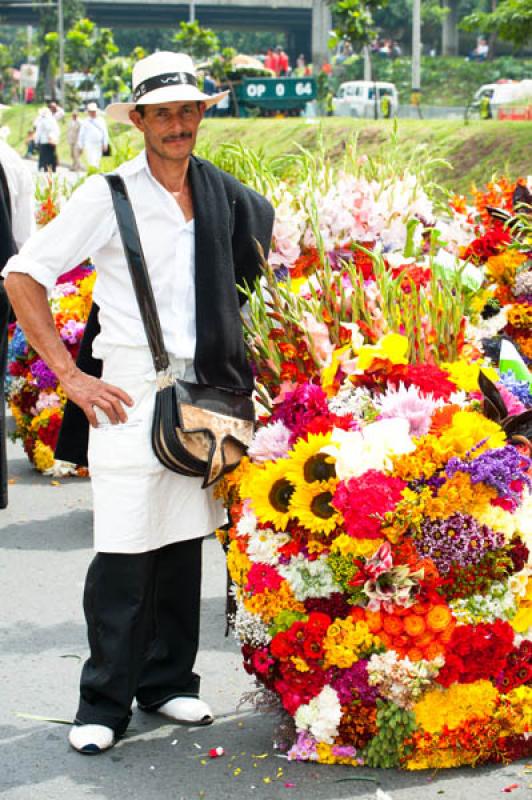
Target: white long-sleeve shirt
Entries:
(21, 193)
(93, 132)
(46, 129)
(87, 227)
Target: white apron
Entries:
(139, 505)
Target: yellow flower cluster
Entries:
(520, 316)
(43, 456)
(349, 546)
(459, 494)
(520, 701)
(466, 431)
(451, 707)
(498, 520)
(238, 564)
(465, 374)
(408, 513)
(227, 488)
(346, 641)
(74, 306)
(422, 463)
(270, 603)
(326, 756)
(502, 268)
(523, 619)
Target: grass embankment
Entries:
(475, 151)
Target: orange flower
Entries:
(415, 654)
(414, 625)
(420, 608)
(374, 620)
(392, 625)
(425, 639)
(442, 418)
(433, 650)
(439, 618)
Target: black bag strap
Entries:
(127, 225)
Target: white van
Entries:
(357, 99)
(503, 93)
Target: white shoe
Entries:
(91, 739)
(187, 711)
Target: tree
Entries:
(511, 20)
(88, 48)
(353, 21)
(200, 43)
(48, 23)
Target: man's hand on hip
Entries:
(90, 393)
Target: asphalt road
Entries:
(45, 542)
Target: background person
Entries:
(198, 227)
(73, 130)
(93, 136)
(47, 139)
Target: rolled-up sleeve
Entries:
(86, 223)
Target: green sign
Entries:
(256, 90)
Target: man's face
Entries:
(169, 129)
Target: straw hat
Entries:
(163, 78)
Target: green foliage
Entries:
(353, 21)
(200, 43)
(394, 725)
(88, 47)
(511, 20)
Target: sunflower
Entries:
(269, 491)
(307, 463)
(311, 504)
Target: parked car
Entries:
(83, 85)
(358, 99)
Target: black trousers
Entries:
(142, 615)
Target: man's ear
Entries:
(137, 119)
(202, 109)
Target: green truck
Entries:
(269, 97)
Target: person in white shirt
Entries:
(47, 139)
(93, 137)
(57, 112)
(73, 130)
(17, 223)
(199, 229)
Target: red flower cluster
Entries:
(477, 652)
(363, 502)
(488, 244)
(517, 670)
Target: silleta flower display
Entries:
(381, 526)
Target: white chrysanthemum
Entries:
(247, 524)
(349, 400)
(523, 519)
(309, 578)
(356, 452)
(263, 546)
(321, 716)
(400, 680)
(249, 628)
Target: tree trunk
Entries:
(449, 38)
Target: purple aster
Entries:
(352, 684)
(44, 378)
(497, 468)
(459, 540)
(344, 751)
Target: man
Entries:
(47, 139)
(93, 137)
(57, 112)
(17, 222)
(198, 227)
(72, 138)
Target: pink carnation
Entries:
(363, 501)
(262, 577)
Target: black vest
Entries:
(8, 247)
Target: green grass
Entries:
(475, 151)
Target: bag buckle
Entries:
(164, 378)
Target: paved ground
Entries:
(45, 539)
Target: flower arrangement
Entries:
(380, 535)
(34, 395)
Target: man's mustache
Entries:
(177, 136)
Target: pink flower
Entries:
(270, 443)
(262, 577)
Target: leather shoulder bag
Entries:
(198, 430)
